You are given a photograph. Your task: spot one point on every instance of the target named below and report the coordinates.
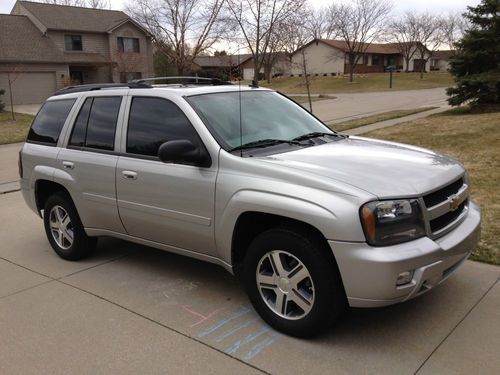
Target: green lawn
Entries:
(14, 131)
(474, 140)
(356, 123)
(362, 83)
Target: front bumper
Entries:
(369, 273)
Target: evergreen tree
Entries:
(476, 65)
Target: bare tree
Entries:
(98, 4)
(429, 37)
(317, 23)
(12, 76)
(453, 28)
(257, 21)
(403, 33)
(359, 24)
(296, 35)
(181, 29)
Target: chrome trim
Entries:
(444, 207)
(440, 209)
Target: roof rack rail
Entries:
(100, 86)
(192, 80)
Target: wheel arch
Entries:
(251, 223)
(44, 189)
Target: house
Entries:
(226, 67)
(233, 66)
(439, 60)
(330, 57)
(44, 47)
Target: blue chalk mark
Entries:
(219, 324)
(238, 344)
(259, 346)
(235, 329)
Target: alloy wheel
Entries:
(61, 227)
(285, 284)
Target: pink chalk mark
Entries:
(203, 317)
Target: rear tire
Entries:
(64, 228)
(304, 294)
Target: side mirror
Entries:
(183, 151)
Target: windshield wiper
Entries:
(316, 135)
(265, 143)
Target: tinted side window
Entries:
(49, 121)
(80, 128)
(102, 123)
(153, 121)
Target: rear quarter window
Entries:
(49, 121)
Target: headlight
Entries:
(391, 222)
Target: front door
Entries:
(172, 204)
(76, 77)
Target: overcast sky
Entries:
(435, 6)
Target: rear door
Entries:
(89, 162)
(172, 204)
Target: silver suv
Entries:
(309, 219)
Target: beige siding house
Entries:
(45, 47)
(329, 57)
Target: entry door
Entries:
(172, 204)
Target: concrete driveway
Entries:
(132, 309)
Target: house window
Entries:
(365, 59)
(375, 60)
(128, 44)
(129, 76)
(73, 42)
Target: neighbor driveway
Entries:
(29, 109)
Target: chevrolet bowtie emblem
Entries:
(454, 202)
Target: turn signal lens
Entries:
(369, 223)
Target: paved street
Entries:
(132, 309)
(348, 106)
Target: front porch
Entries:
(87, 74)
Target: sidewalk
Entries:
(392, 122)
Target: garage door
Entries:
(248, 73)
(29, 88)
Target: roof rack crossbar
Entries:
(100, 86)
(193, 80)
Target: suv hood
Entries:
(385, 169)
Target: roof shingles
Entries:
(70, 18)
(21, 41)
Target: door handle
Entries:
(129, 175)
(68, 165)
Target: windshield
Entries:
(265, 115)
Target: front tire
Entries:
(64, 228)
(293, 282)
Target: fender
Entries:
(301, 209)
(39, 172)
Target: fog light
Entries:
(404, 278)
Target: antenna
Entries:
(239, 94)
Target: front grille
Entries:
(440, 213)
(443, 221)
(442, 194)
